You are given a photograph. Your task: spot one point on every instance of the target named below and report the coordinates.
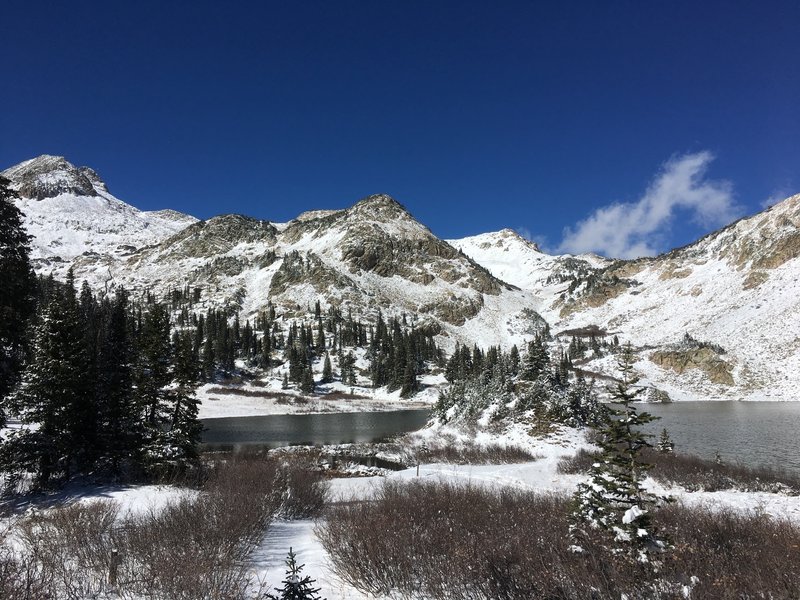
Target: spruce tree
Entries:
(614, 502)
(327, 370)
(307, 381)
(296, 586)
(17, 292)
(537, 360)
(46, 399)
(153, 365)
(120, 420)
(184, 426)
(665, 444)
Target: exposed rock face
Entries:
(737, 287)
(217, 235)
(50, 176)
(704, 359)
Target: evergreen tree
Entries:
(537, 360)
(614, 500)
(47, 397)
(410, 383)
(17, 292)
(307, 381)
(296, 586)
(153, 364)
(665, 444)
(184, 427)
(121, 429)
(327, 370)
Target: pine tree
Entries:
(184, 427)
(121, 429)
(410, 383)
(47, 397)
(307, 381)
(327, 370)
(665, 444)
(153, 365)
(296, 586)
(537, 360)
(614, 500)
(16, 292)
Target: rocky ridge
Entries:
(736, 289)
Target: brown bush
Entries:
(68, 544)
(449, 450)
(444, 541)
(694, 473)
(305, 491)
(194, 547)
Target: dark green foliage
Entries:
(614, 503)
(296, 586)
(105, 392)
(494, 379)
(327, 370)
(47, 397)
(17, 292)
(537, 360)
(307, 381)
(665, 443)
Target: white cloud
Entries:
(629, 230)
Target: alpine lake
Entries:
(753, 433)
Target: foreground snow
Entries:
(540, 475)
(218, 401)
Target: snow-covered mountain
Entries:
(73, 217)
(369, 257)
(736, 292)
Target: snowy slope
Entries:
(738, 288)
(72, 216)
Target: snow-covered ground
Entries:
(539, 475)
(218, 401)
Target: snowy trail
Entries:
(268, 560)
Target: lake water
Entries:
(753, 433)
(272, 431)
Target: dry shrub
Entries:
(445, 541)
(195, 547)
(449, 450)
(20, 578)
(306, 491)
(69, 543)
(694, 473)
(580, 462)
(339, 395)
(733, 554)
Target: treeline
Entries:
(505, 382)
(108, 389)
(397, 352)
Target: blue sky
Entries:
(623, 127)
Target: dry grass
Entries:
(695, 474)
(445, 541)
(447, 448)
(195, 547)
(468, 454)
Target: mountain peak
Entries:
(48, 176)
(379, 205)
(515, 235)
